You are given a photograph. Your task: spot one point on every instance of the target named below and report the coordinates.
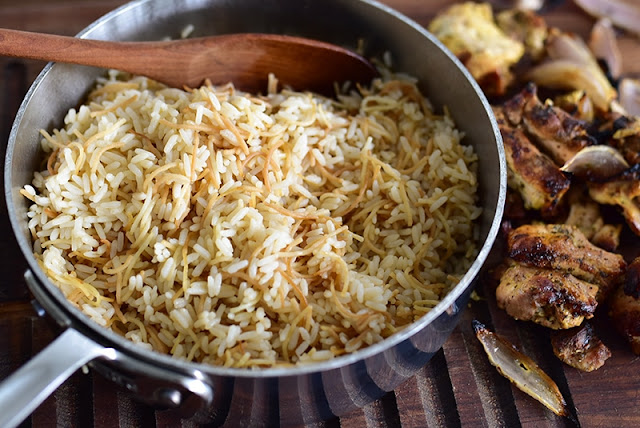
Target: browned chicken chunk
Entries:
(558, 133)
(470, 32)
(625, 136)
(580, 348)
(608, 237)
(527, 26)
(632, 279)
(622, 192)
(514, 207)
(554, 299)
(585, 214)
(624, 311)
(565, 248)
(630, 148)
(538, 180)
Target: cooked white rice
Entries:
(251, 231)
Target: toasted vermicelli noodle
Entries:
(254, 231)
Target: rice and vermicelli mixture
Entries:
(254, 231)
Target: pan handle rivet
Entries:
(38, 308)
(168, 397)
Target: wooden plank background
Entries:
(457, 388)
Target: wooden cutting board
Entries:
(457, 388)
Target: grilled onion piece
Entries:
(603, 44)
(571, 65)
(630, 95)
(596, 163)
(623, 13)
(521, 370)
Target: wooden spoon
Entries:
(244, 59)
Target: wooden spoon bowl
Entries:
(244, 59)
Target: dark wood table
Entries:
(457, 388)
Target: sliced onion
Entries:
(562, 45)
(629, 97)
(596, 163)
(572, 65)
(604, 45)
(623, 13)
(521, 370)
(518, 4)
(567, 74)
(529, 4)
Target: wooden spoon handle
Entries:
(245, 59)
(133, 57)
(51, 47)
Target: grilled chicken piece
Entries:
(554, 299)
(527, 26)
(624, 306)
(580, 348)
(558, 133)
(626, 137)
(624, 311)
(470, 32)
(565, 248)
(585, 214)
(514, 207)
(540, 183)
(608, 237)
(622, 192)
(632, 279)
(629, 147)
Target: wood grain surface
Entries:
(457, 388)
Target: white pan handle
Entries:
(23, 391)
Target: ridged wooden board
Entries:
(458, 388)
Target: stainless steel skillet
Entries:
(215, 394)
